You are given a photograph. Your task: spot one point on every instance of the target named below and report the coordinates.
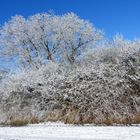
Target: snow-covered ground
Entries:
(58, 131)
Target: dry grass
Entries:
(24, 121)
(68, 116)
(33, 120)
(18, 122)
(136, 119)
(56, 115)
(73, 116)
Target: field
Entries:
(59, 131)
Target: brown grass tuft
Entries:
(18, 122)
(34, 120)
(136, 119)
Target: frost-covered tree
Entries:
(44, 37)
(74, 34)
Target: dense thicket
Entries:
(103, 86)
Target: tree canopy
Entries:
(42, 37)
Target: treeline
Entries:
(69, 72)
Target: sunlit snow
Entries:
(58, 131)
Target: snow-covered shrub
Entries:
(23, 91)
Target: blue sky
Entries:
(113, 16)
